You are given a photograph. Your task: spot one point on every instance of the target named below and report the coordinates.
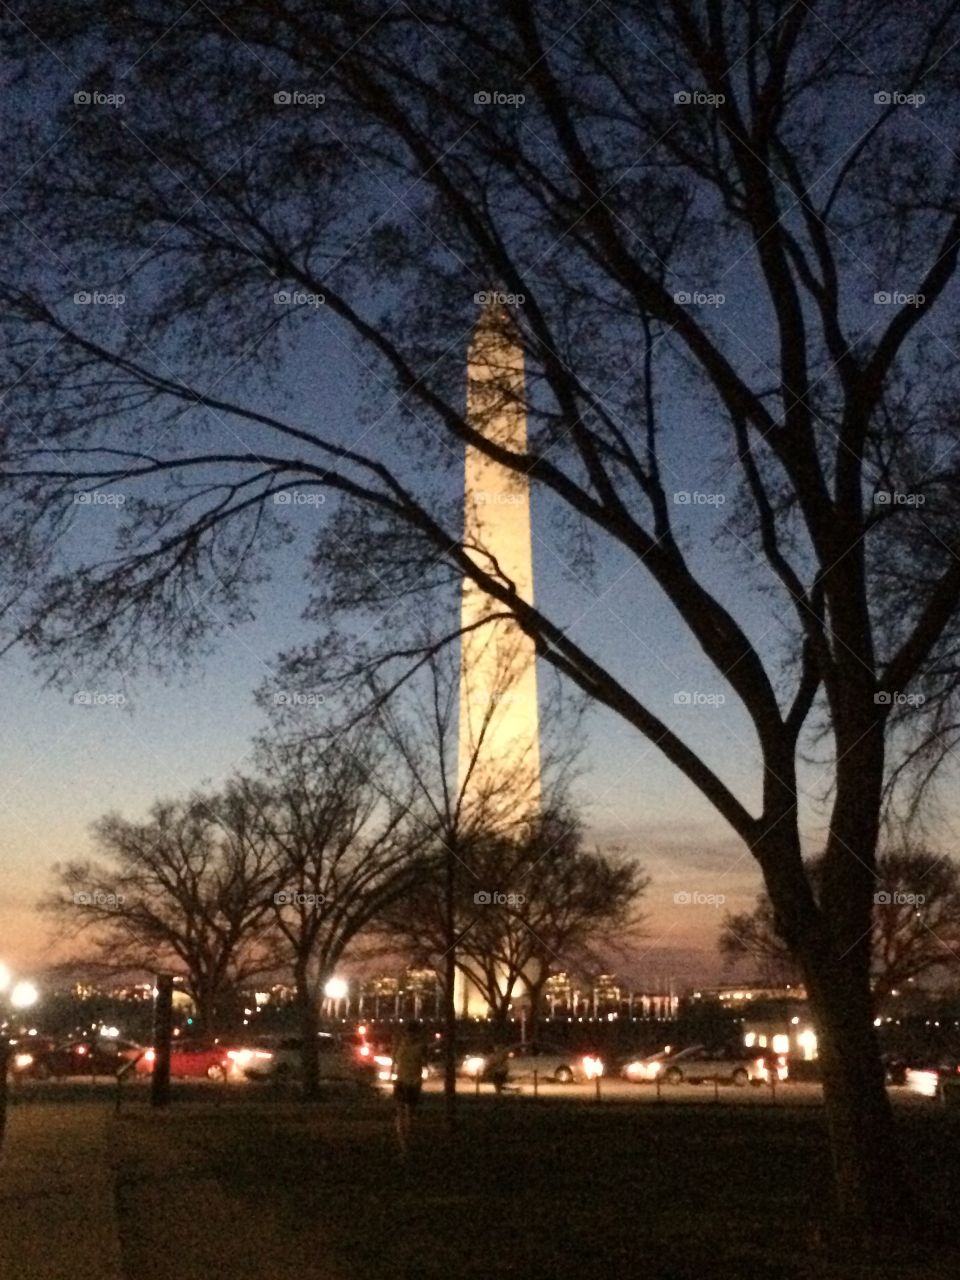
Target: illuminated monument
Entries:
(499, 737)
(499, 743)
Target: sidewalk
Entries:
(57, 1211)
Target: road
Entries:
(612, 1090)
(623, 1091)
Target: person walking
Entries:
(409, 1059)
(498, 1067)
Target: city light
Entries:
(23, 995)
(807, 1040)
(336, 989)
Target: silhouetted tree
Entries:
(620, 173)
(916, 923)
(188, 890)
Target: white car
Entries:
(728, 1064)
(549, 1063)
(645, 1070)
(280, 1060)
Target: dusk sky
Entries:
(64, 764)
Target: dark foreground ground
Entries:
(252, 1185)
(277, 1190)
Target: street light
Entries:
(336, 989)
(23, 995)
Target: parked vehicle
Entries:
(645, 1069)
(929, 1075)
(548, 1061)
(729, 1064)
(280, 1059)
(208, 1060)
(87, 1056)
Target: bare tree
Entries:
(533, 903)
(621, 180)
(187, 890)
(916, 923)
(339, 853)
(413, 698)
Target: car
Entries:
(359, 1043)
(645, 1069)
(85, 1056)
(189, 1059)
(928, 1075)
(548, 1062)
(23, 1052)
(731, 1064)
(280, 1059)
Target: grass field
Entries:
(277, 1190)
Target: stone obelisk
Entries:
(499, 744)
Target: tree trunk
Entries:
(205, 999)
(449, 992)
(535, 995)
(868, 1177)
(307, 1018)
(4, 1098)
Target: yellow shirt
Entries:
(409, 1060)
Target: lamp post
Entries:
(20, 995)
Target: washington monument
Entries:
(499, 745)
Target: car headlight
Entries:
(473, 1066)
(592, 1067)
(22, 1060)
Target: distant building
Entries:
(741, 994)
(790, 1032)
